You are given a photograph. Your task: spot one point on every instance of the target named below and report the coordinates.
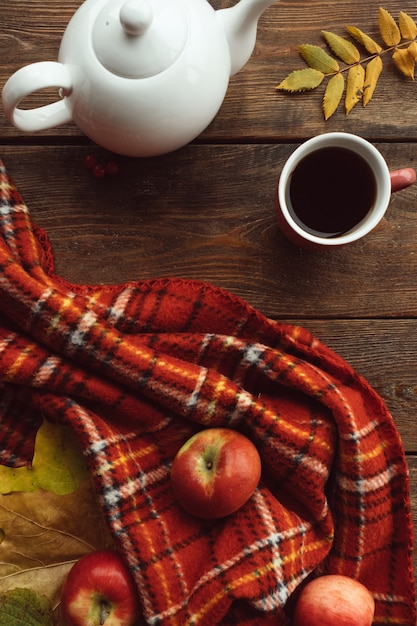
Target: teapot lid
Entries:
(139, 38)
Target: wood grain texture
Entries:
(173, 216)
(253, 110)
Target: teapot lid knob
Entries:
(135, 17)
(139, 38)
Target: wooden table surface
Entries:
(206, 211)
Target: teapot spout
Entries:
(240, 24)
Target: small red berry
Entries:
(98, 171)
(90, 161)
(112, 168)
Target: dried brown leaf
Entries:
(45, 534)
(301, 80)
(388, 27)
(368, 43)
(372, 73)
(404, 62)
(354, 89)
(318, 59)
(343, 48)
(333, 95)
(408, 27)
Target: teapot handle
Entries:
(26, 81)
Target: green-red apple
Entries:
(334, 600)
(100, 591)
(215, 472)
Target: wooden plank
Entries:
(412, 464)
(206, 212)
(259, 111)
(253, 110)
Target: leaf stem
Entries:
(403, 44)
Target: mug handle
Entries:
(26, 81)
(400, 179)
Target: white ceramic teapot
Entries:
(139, 77)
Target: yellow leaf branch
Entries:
(400, 41)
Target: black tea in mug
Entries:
(331, 190)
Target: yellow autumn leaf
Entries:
(344, 49)
(333, 94)
(58, 464)
(412, 50)
(388, 27)
(408, 27)
(368, 43)
(301, 80)
(318, 59)
(354, 88)
(404, 62)
(372, 73)
(399, 39)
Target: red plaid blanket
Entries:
(137, 368)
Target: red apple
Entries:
(334, 600)
(100, 590)
(215, 472)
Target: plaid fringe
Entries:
(137, 368)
